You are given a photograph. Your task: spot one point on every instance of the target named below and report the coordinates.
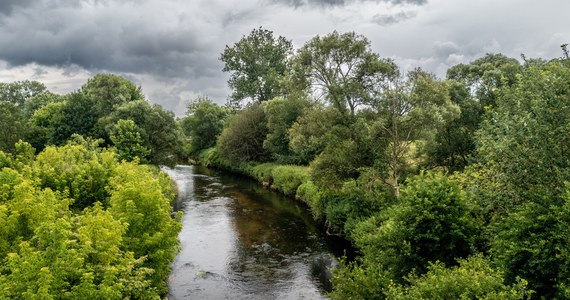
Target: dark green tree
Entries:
(157, 127)
(242, 139)
(107, 92)
(281, 114)
(523, 146)
(257, 64)
(485, 75)
(19, 92)
(12, 124)
(203, 123)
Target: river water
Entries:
(240, 241)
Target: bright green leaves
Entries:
(474, 278)
(115, 242)
(139, 199)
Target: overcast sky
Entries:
(171, 47)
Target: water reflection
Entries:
(240, 241)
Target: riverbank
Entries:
(290, 180)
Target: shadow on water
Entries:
(240, 241)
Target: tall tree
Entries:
(523, 147)
(19, 92)
(411, 108)
(341, 68)
(108, 92)
(256, 64)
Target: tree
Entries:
(485, 75)
(127, 140)
(242, 139)
(107, 92)
(256, 64)
(474, 278)
(341, 68)
(203, 123)
(12, 124)
(281, 114)
(157, 127)
(19, 92)
(410, 109)
(523, 146)
(454, 143)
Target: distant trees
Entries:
(203, 123)
(257, 64)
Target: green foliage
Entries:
(431, 221)
(309, 193)
(353, 281)
(127, 140)
(307, 135)
(12, 124)
(76, 172)
(157, 128)
(484, 76)
(411, 108)
(256, 64)
(342, 68)
(242, 140)
(45, 125)
(525, 142)
(532, 242)
(140, 200)
(203, 123)
(454, 143)
(107, 92)
(20, 92)
(48, 250)
(287, 179)
(281, 114)
(474, 278)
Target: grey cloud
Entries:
(117, 42)
(328, 3)
(445, 49)
(390, 19)
(7, 6)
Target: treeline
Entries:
(107, 107)
(449, 188)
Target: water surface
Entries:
(240, 241)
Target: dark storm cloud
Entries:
(103, 36)
(391, 19)
(327, 3)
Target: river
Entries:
(240, 241)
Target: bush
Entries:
(287, 179)
(432, 221)
(474, 278)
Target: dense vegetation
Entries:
(80, 216)
(449, 188)
(76, 223)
